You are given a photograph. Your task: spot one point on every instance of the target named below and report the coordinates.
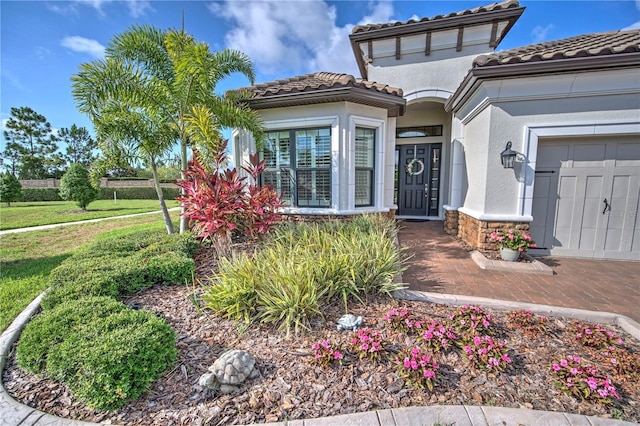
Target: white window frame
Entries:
(379, 156)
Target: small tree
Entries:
(76, 186)
(10, 188)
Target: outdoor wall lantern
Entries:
(508, 157)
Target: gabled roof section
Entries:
(325, 87)
(587, 52)
(445, 20)
(508, 11)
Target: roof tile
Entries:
(598, 44)
(316, 82)
(478, 10)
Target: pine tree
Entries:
(76, 186)
(10, 188)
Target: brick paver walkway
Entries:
(441, 265)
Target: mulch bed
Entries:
(291, 386)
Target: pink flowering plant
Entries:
(487, 353)
(623, 362)
(367, 343)
(417, 367)
(513, 239)
(402, 319)
(437, 336)
(530, 323)
(325, 353)
(470, 321)
(594, 335)
(583, 382)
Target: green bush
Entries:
(76, 186)
(138, 193)
(123, 193)
(10, 188)
(45, 332)
(40, 194)
(123, 265)
(304, 265)
(106, 353)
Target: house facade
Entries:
(421, 133)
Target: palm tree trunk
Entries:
(163, 205)
(184, 224)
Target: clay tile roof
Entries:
(476, 11)
(309, 83)
(586, 45)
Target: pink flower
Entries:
(574, 371)
(337, 355)
(556, 367)
(407, 363)
(477, 340)
(593, 384)
(564, 363)
(429, 374)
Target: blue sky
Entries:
(44, 42)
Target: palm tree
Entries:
(172, 78)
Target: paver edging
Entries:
(624, 322)
(533, 266)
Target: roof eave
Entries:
(522, 69)
(394, 105)
(511, 15)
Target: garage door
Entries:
(586, 195)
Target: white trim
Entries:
(533, 133)
(321, 211)
(378, 167)
(495, 217)
(334, 122)
(421, 94)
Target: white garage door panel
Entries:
(573, 179)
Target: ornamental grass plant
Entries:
(286, 281)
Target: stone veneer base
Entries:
(531, 267)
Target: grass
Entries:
(27, 214)
(26, 259)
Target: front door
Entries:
(418, 179)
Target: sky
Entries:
(42, 43)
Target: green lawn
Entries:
(27, 258)
(24, 215)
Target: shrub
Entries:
(485, 353)
(109, 360)
(10, 188)
(530, 323)
(221, 202)
(123, 265)
(595, 335)
(40, 194)
(469, 321)
(437, 336)
(76, 186)
(402, 319)
(138, 193)
(299, 268)
(45, 332)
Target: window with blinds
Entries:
(298, 166)
(364, 164)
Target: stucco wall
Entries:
(502, 111)
(446, 74)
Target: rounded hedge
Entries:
(106, 353)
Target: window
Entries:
(298, 166)
(418, 132)
(365, 161)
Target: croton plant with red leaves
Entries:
(219, 202)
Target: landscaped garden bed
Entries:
(293, 384)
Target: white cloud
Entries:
(136, 8)
(294, 37)
(540, 33)
(634, 26)
(84, 45)
(3, 124)
(13, 80)
(42, 52)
